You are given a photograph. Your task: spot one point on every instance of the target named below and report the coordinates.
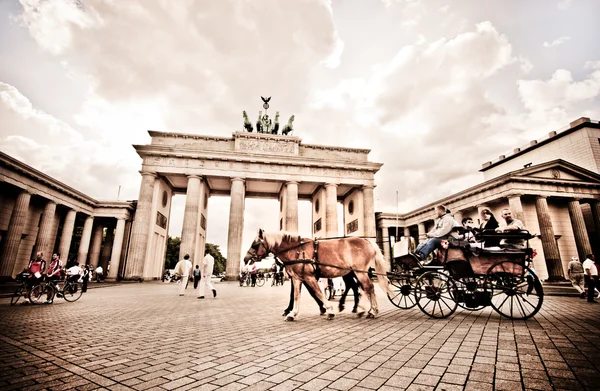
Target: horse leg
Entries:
(297, 286)
(347, 283)
(314, 296)
(312, 282)
(367, 286)
(356, 296)
(291, 302)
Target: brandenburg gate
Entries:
(262, 165)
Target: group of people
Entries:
(201, 274)
(252, 270)
(585, 273)
(36, 272)
(447, 229)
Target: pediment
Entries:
(559, 170)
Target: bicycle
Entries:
(260, 279)
(70, 291)
(21, 291)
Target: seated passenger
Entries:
(444, 227)
(467, 224)
(511, 225)
(489, 222)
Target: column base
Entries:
(133, 278)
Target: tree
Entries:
(172, 257)
(220, 260)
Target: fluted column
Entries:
(422, 232)
(458, 216)
(551, 253)
(140, 230)
(115, 256)
(190, 217)
(96, 246)
(84, 244)
(107, 248)
(67, 235)
(12, 240)
(45, 237)
(582, 239)
(331, 216)
(407, 231)
(369, 211)
(236, 228)
(516, 207)
(291, 212)
(595, 206)
(385, 242)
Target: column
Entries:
(12, 240)
(551, 253)
(458, 216)
(98, 233)
(407, 231)
(291, 212)
(331, 217)
(582, 239)
(369, 210)
(595, 206)
(107, 248)
(422, 232)
(385, 242)
(236, 228)
(67, 235)
(45, 238)
(516, 207)
(84, 244)
(140, 231)
(190, 218)
(115, 256)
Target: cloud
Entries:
(564, 4)
(556, 42)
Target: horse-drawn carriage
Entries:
(469, 276)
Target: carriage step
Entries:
(559, 288)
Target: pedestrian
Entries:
(208, 264)
(253, 271)
(183, 268)
(196, 276)
(87, 273)
(575, 273)
(591, 276)
(99, 272)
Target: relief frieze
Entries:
(261, 146)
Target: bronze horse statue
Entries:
(333, 258)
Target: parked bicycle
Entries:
(21, 291)
(69, 289)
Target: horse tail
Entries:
(381, 267)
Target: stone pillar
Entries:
(458, 216)
(45, 237)
(67, 235)
(385, 242)
(84, 244)
(96, 246)
(331, 216)
(236, 228)
(291, 212)
(140, 231)
(369, 211)
(12, 240)
(516, 207)
(582, 239)
(407, 231)
(551, 253)
(422, 232)
(115, 256)
(107, 248)
(595, 207)
(190, 218)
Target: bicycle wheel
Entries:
(20, 292)
(72, 291)
(433, 291)
(38, 293)
(260, 281)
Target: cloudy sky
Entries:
(433, 88)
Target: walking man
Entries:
(208, 264)
(184, 269)
(575, 273)
(591, 276)
(196, 276)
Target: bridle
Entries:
(255, 247)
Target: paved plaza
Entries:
(145, 337)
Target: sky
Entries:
(433, 88)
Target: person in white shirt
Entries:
(575, 272)
(591, 276)
(99, 272)
(184, 269)
(208, 264)
(74, 272)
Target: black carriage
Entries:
(472, 277)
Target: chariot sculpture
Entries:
(264, 124)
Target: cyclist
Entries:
(54, 273)
(35, 269)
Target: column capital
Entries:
(194, 176)
(541, 197)
(516, 195)
(292, 183)
(326, 185)
(368, 186)
(578, 199)
(238, 179)
(148, 173)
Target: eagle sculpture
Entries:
(266, 100)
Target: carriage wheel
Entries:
(403, 288)
(260, 281)
(516, 296)
(433, 292)
(467, 288)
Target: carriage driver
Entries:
(444, 228)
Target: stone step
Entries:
(559, 288)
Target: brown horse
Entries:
(334, 258)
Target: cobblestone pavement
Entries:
(145, 337)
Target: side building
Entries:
(39, 213)
(552, 185)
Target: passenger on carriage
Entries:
(469, 235)
(489, 223)
(511, 225)
(444, 229)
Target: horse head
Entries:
(258, 250)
